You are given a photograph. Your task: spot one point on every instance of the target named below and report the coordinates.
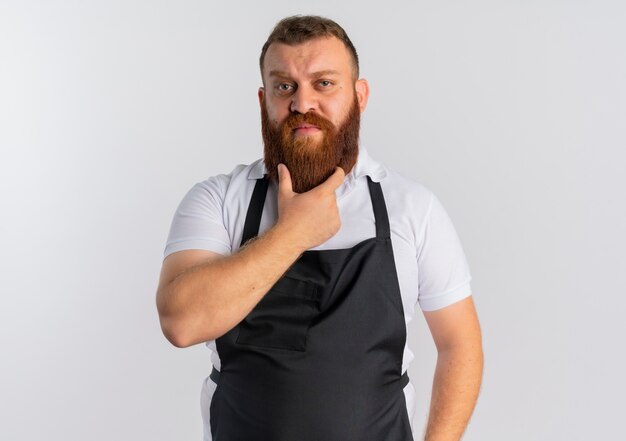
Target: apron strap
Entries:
(255, 210)
(215, 375)
(380, 209)
(257, 201)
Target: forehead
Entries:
(319, 54)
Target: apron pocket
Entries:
(282, 318)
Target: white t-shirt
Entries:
(431, 265)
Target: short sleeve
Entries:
(198, 222)
(443, 271)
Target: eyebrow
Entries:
(321, 73)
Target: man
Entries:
(301, 270)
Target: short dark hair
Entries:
(298, 29)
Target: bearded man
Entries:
(301, 271)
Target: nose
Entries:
(303, 100)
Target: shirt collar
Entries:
(365, 166)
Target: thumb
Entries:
(334, 180)
(284, 180)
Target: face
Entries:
(311, 108)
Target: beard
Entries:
(310, 161)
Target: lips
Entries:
(305, 126)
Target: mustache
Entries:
(296, 119)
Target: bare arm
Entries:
(458, 374)
(202, 295)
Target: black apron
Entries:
(320, 356)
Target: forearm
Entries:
(207, 300)
(455, 389)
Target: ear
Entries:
(261, 93)
(362, 89)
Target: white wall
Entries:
(511, 112)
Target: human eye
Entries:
(325, 84)
(284, 87)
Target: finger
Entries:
(284, 180)
(334, 180)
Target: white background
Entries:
(513, 113)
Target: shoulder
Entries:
(202, 220)
(409, 204)
(406, 194)
(396, 181)
(393, 183)
(242, 176)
